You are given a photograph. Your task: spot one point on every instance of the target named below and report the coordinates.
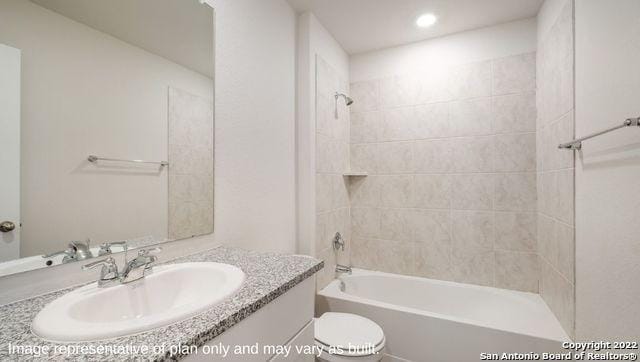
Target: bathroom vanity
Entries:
(273, 307)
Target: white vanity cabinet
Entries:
(285, 321)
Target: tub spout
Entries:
(343, 269)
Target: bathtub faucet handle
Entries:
(338, 242)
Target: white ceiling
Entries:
(364, 25)
(181, 31)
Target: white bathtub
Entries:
(436, 321)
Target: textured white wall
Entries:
(255, 124)
(607, 171)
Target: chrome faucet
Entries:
(76, 250)
(140, 266)
(134, 269)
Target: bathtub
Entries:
(436, 321)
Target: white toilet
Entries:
(334, 331)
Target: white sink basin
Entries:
(170, 294)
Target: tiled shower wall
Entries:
(190, 121)
(555, 125)
(332, 160)
(451, 191)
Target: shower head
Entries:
(348, 100)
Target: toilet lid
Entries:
(344, 330)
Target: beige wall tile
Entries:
(396, 191)
(365, 191)
(363, 254)
(398, 124)
(516, 231)
(472, 154)
(433, 85)
(324, 192)
(396, 257)
(396, 224)
(340, 194)
(332, 160)
(473, 231)
(514, 113)
(470, 80)
(190, 153)
(432, 121)
(366, 127)
(433, 156)
(515, 152)
(470, 117)
(432, 226)
(516, 192)
(559, 295)
(565, 196)
(553, 134)
(548, 202)
(395, 157)
(322, 241)
(515, 270)
(367, 94)
(473, 268)
(387, 256)
(555, 124)
(364, 157)
(401, 90)
(565, 238)
(433, 260)
(452, 173)
(515, 74)
(547, 247)
(365, 222)
(472, 191)
(432, 191)
(340, 222)
(327, 274)
(324, 153)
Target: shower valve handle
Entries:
(338, 242)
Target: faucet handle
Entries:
(145, 252)
(338, 242)
(108, 273)
(155, 250)
(105, 248)
(105, 262)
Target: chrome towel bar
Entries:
(577, 143)
(94, 159)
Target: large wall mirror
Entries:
(106, 127)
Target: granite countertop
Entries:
(268, 276)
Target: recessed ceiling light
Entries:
(426, 20)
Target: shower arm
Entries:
(348, 101)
